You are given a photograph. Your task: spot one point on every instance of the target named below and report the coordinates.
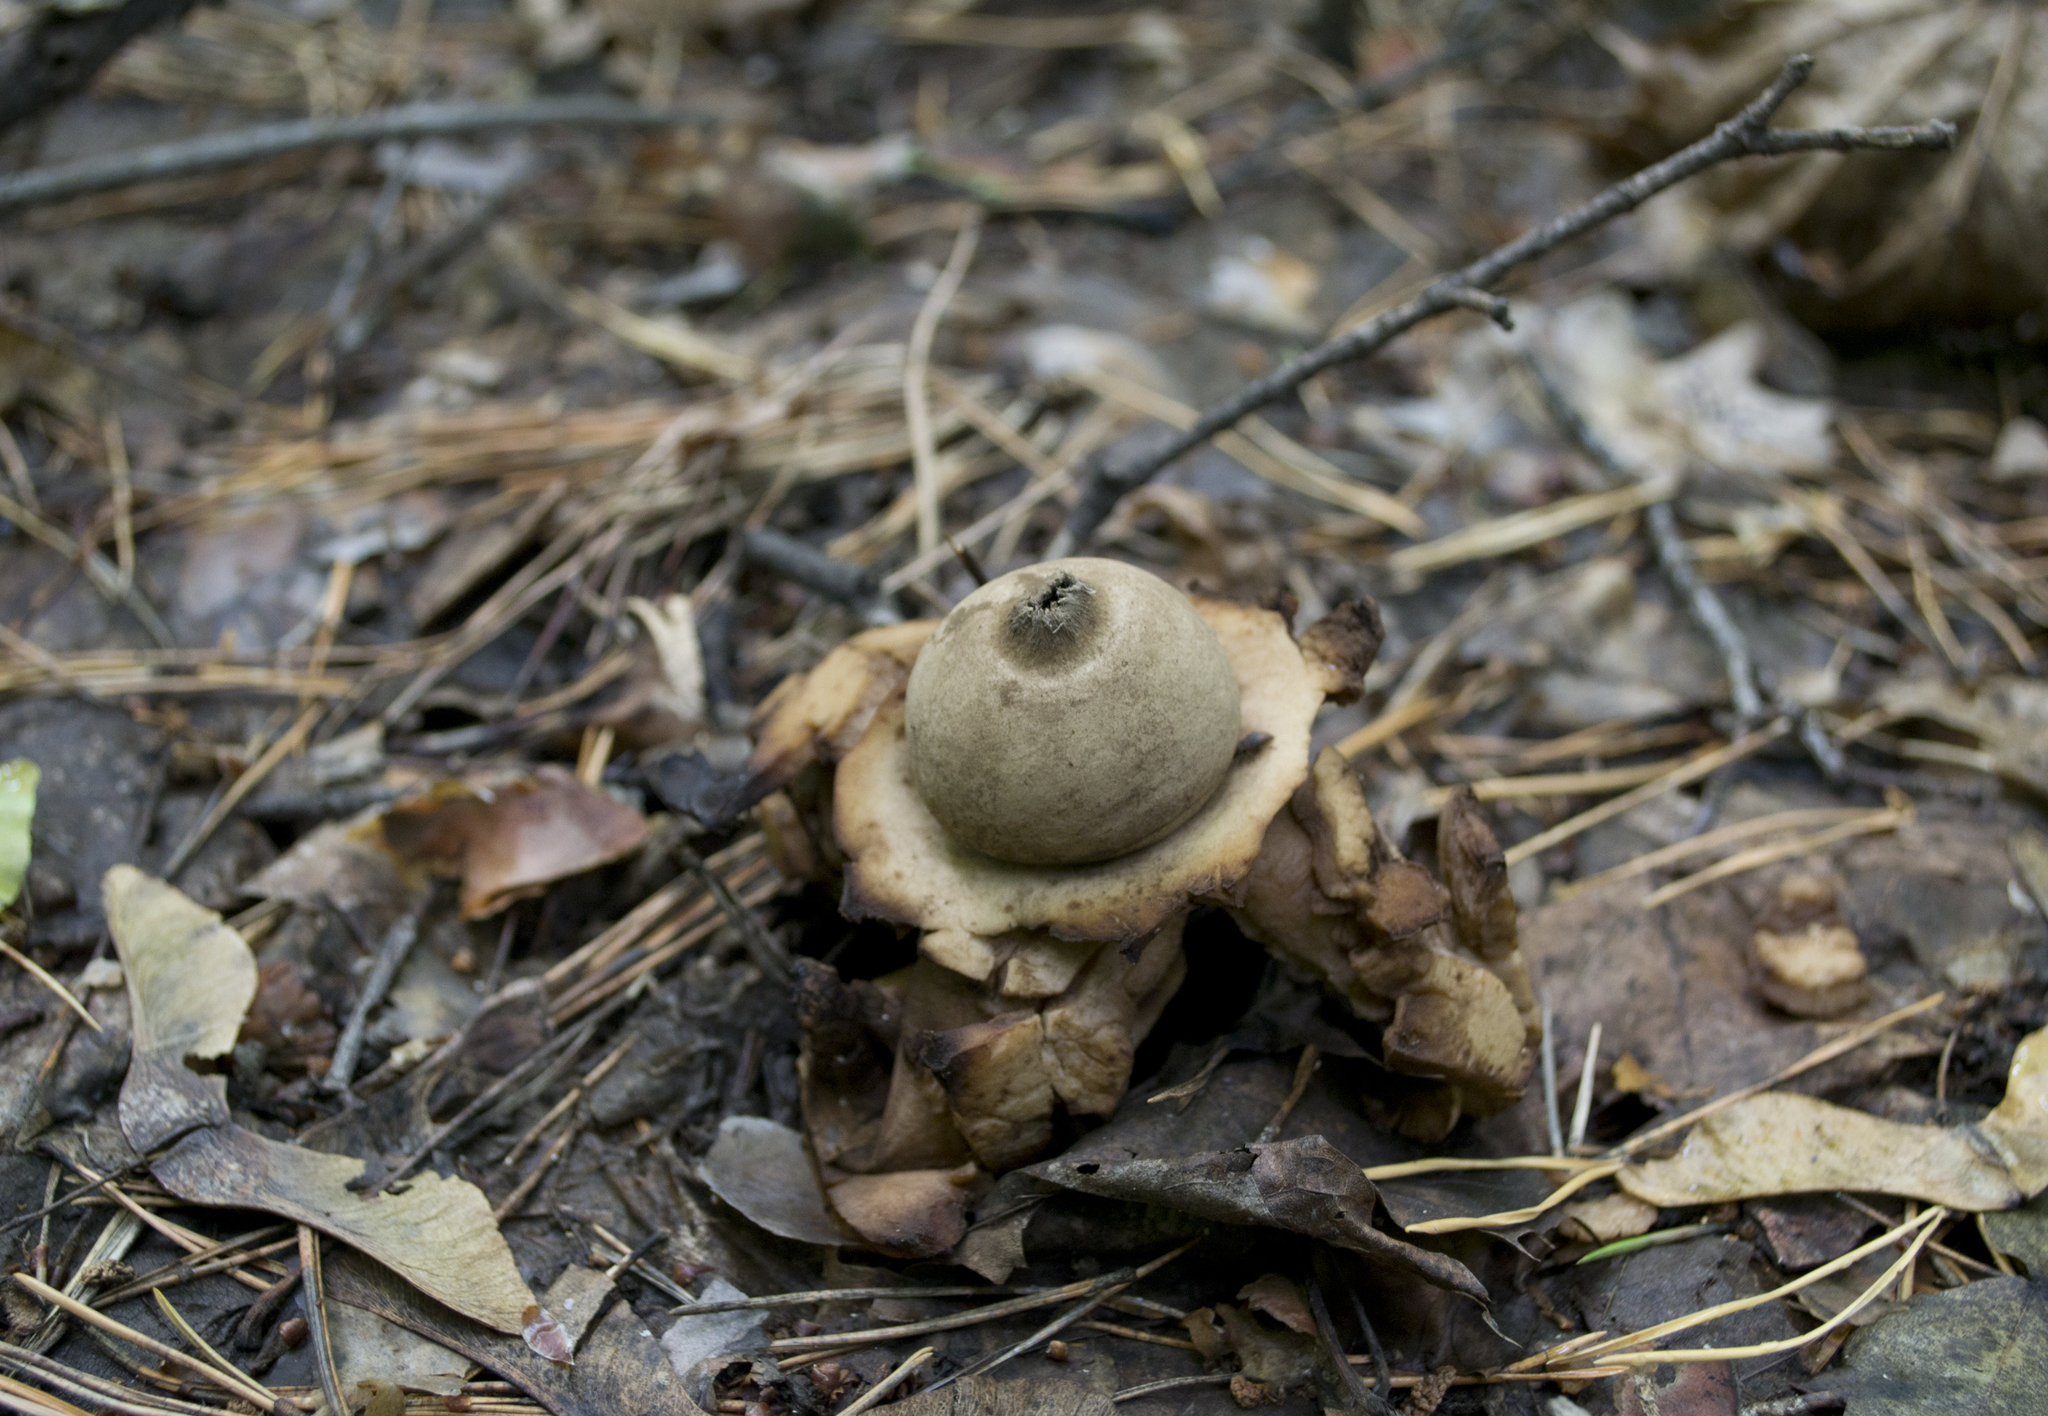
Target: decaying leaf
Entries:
(190, 981)
(348, 866)
(369, 1348)
(1981, 1348)
(1780, 1143)
(909, 1213)
(761, 1169)
(18, 778)
(1305, 1186)
(546, 1336)
(1279, 1298)
(289, 1020)
(439, 1233)
(693, 1338)
(619, 1367)
(514, 841)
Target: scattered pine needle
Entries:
(1608, 1354)
(42, 976)
(1707, 842)
(1435, 1165)
(1458, 1223)
(1885, 819)
(1702, 765)
(1826, 1052)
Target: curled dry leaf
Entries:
(190, 981)
(515, 839)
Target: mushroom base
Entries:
(1438, 965)
(925, 1072)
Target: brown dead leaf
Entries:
(1279, 1298)
(517, 839)
(1607, 1219)
(1268, 1355)
(1306, 1186)
(289, 1020)
(190, 980)
(909, 1213)
(546, 1336)
(1782, 1143)
(438, 1234)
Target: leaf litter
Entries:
(528, 640)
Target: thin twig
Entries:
(1304, 1069)
(764, 948)
(1363, 1400)
(391, 956)
(1748, 134)
(218, 151)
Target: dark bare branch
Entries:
(1746, 135)
(217, 151)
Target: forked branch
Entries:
(1747, 134)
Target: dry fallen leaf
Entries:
(516, 840)
(1782, 1143)
(190, 981)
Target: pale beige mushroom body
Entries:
(1070, 712)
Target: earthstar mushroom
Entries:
(1043, 785)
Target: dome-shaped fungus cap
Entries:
(1070, 712)
(902, 865)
